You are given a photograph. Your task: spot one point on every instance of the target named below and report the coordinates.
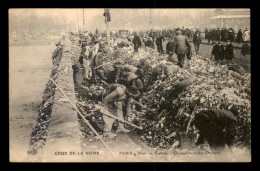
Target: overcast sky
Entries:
(94, 16)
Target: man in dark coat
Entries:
(137, 42)
(225, 34)
(206, 33)
(222, 34)
(218, 34)
(197, 41)
(159, 43)
(180, 46)
(189, 51)
(231, 35)
(211, 36)
(220, 52)
(217, 127)
(169, 48)
(239, 37)
(152, 35)
(214, 51)
(229, 52)
(183, 31)
(149, 43)
(245, 50)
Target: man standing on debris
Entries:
(159, 43)
(180, 44)
(169, 48)
(137, 42)
(217, 127)
(197, 41)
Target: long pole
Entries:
(83, 21)
(78, 20)
(87, 122)
(106, 112)
(150, 18)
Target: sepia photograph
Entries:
(129, 85)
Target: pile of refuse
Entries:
(40, 129)
(173, 92)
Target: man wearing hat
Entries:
(137, 42)
(229, 52)
(217, 127)
(86, 54)
(180, 46)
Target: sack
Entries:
(170, 70)
(237, 68)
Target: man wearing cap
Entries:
(180, 46)
(217, 127)
(86, 53)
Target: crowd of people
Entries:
(215, 34)
(124, 83)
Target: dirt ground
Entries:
(30, 68)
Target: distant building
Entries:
(235, 18)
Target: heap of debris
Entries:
(171, 94)
(40, 129)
